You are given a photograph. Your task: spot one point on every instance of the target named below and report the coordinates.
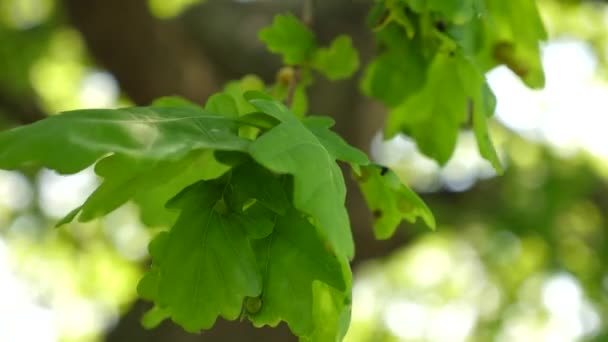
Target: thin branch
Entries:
(308, 13)
(293, 84)
(307, 18)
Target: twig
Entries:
(308, 12)
(293, 84)
(307, 18)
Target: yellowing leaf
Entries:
(391, 201)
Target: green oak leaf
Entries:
(391, 201)
(397, 72)
(319, 189)
(291, 259)
(174, 101)
(71, 141)
(434, 115)
(147, 287)
(153, 317)
(456, 11)
(150, 183)
(299, 104)
(335, 145)
(222, 104)
(485, 104)
(514, 30)
(207, 267)
(338, 61)
(240, 87)
(253, 181)
(331, 310)
(290, 38)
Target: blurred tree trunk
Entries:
(149, 58)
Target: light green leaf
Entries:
(151, 200)
(150, 183)
(319, 189)
(291, 258)
(222, 104)
(174, 101)
(334, 143)
(484, 107)
(153, 317)
(339, 61)
(391, 201)
(514, 30)
(331, 310)
(290, 38)
(240, 87)
(71, 141)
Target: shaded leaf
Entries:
(207, 267)
(434, 115)
(291, 258)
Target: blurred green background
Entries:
(515, 258)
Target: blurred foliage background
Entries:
(516, 258)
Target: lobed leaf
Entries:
(291, 259)
(71, 141)
(319, 189)
(290, 38)
(207, 266)
(391, 201)
(150, 183)
(514, 30)
(339, 61)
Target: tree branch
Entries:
(21, 111)
(149, 58)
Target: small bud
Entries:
(286, 76)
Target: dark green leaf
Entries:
(207, 267)
(397, 72)
(254, 181)
(435, 121)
